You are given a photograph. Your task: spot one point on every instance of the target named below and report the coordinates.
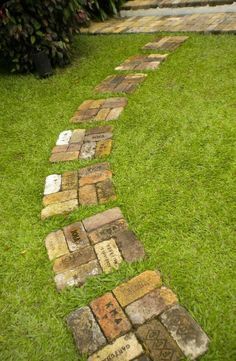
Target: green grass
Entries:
(173, 171)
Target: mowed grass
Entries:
(173, 170)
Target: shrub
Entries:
(29, 26)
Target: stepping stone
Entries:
(102, 109)
(166, 43)
(88, 248)
(83, 144)
(87, 186)
(143, 62)
(140, 320)
(121, 83)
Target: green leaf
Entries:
(32, 39)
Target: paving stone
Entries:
(83, 144)
(88, 150)
(158, 342)
(88, 195)
(102, 219)
(70, 180)
(74, 260)
(59, 208)
(64, 157)
(150, 305)
(142, 62)
(110, 316)
(103, 148)
(87, 334)
(64, 137)
(121, 83)
(189, 336)
(56, 245)
(108, 231)
(108, 255)
(76, 236)
(59, 197)
(130, 247)
(137, 287)
(101, 109)
(52, 184)
(166, 43)
(125, 348)
(105, 191)
(78, 276)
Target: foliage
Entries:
(29, 26)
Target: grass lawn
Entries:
(173, 171)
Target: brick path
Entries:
(141, 319)
(147, 4)
(206, 23)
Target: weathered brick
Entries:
(77, 136)
(102, 114)
(52, 184)
(114, 113)
(78, 276)
(95, 168)
(59, 208)
(158, 342)
(103, 148)
(99, 130)
(137, 287)
(87, 151)
(74, 260)
(56, 245)
(97, 137)
(64, 137)
(105, 191)
(108, 231)
(59, 197)
(59, 148)
(110, 316)
(152, 304)
(64, 156)
(125, 348)
(88, 195)
(108, 255)
(189, 336)
(130, 247)
(87, 334)
(101, 219)
(76, 236)
(70, 180)
(95, 178)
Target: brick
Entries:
(76, 236)
(158, 342)
(88, 150)
(137, 287)
(143, 358)
(86, 104)
(87, 334)
(101, 219)
(74, 260)
(105, 191)
(77, 136)
(64, 157)
(130, 247)
(110, 316)
(150, 305)
(59, 149)
(88, 195)
(125, 348)
(99, 130)
(103, 148)
(95, 168)
(97, 104)
(108, 255)
(59, 208)
(70, 180)
(52, 184)
(64, 137)
(78, 276)
(97, 137)
(95, 178)
(75, 147)
(115, 103)
(189, 336)
(108, 231)
(56, 245)
(102, 114)
(59, 197)
(115, 113)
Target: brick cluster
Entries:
(143, 62)
(121, 83)
(166, 43)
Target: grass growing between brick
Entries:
(173, 171)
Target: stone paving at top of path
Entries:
(121, 83)
(147, 4)
(139, 320)
(92, 246)
(166, 43)
(87, 186)
(82, 144)
(142, 62)
(207, 23)
(99, 110)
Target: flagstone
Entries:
(100, 110)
